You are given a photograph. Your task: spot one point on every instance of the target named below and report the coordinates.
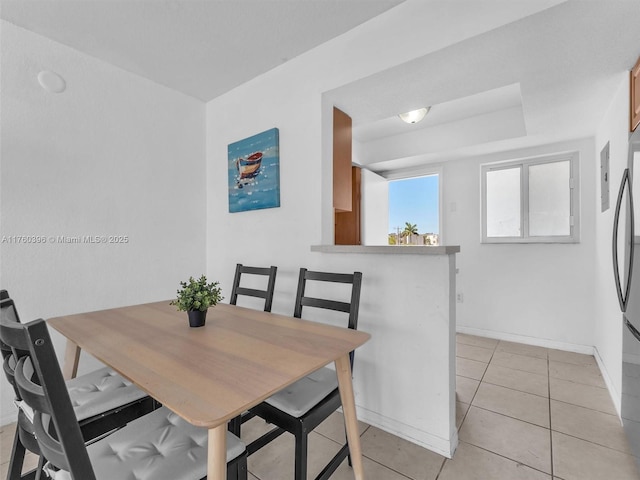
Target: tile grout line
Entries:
(549, 376)
(549, 399)
(507, 458)
(476, 392)
(442, 466)
(594, 443)
(387, 467)
(582, 406)
(516, 389)
(370, 458)
(509, 416)
(497, 413)
(470, 403)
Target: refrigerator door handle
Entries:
(634, 331)
(631, 231)
(623, 297)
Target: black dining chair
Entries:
(267, 293)
(24, 437)
(159, 445)
(304, 405)
(102, 400)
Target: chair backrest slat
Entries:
(329, 277)
(9, 367)
(251, 292)
(255, 270)
(12, 329)
(30, 392)
(9, 314)
(254, 292)
(8, 310)
(49, 447)
(326, 304)
(34, 396)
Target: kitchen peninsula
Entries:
(404, 378)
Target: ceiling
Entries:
(203, 48)
(546, 77)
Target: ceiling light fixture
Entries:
(414, 116)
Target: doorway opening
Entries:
(414, 211)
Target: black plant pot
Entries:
(197, 318)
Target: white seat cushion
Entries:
(100, 391)
(299, 397)
(158, 445)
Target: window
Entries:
(531, 200)
(414, 211)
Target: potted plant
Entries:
(195, 297)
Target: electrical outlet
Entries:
(460, 298)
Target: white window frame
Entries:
(524, 164)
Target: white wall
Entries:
(608, 319)
(113, 155)
(374, 209)
(535, 293)
(290, 98)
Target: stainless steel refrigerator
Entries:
(626, 265)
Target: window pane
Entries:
(503, 203)
(549, 199)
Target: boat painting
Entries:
(253, 166)
(249, 167)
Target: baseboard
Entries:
(613, 393)
(538, 342)
(429, 441)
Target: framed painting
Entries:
(254, 172)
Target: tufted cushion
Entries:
(158, 445)
(100, 391)
(299, 397)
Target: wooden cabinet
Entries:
(635, 96)
(346, 183)
(347, 224)
(342, 140)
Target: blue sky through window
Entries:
(414, 200)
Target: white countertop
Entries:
(388, 249)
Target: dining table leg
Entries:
(345, 384)
(217, 453)
(71, 360)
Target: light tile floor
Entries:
(524, 413)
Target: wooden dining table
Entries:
(211, 374)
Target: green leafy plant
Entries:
(197, 295)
